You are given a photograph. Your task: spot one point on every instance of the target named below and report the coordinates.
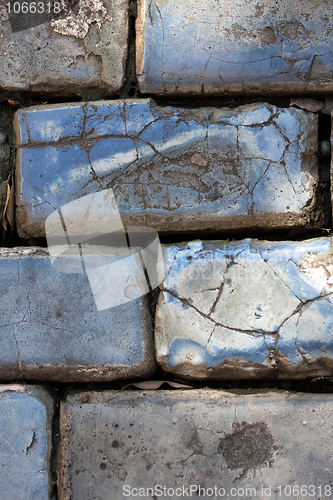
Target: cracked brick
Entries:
(174, 169)
(247, 309)
(82, 52)
(225, 47)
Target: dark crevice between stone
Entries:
(130, 88)
(6, 124)
(56, 395)
(290, 234)
(153, 298)
(281, 99)
(324, 163)
(60, 391)
(220, 101)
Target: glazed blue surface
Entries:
(49, 318)
(249, 304)
(222, 46)
(205, 166)
(24, 445)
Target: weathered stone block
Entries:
(170, 168)
(247, 309)
(51, 328)
(78, 52)
(267, 442)
(228, 47)
(25, 443)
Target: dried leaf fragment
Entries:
(85, 398)
(311, 105)
(8, 217)
(152, 385)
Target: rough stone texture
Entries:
(170, 168)
(51, 329)
(204, 438)
(25, 442)
(82, 53)
(247, 309)
(230, 47)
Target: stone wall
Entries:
(166, 269)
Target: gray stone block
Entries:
(82, 52)
(170, 168)
(227, 47)
(50, 328)
(26, 414)
(248, 309)
(271, 443)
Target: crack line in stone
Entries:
(252, 333)
(302, 305)
(219, 294)
(276, 274)
(19, 364)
